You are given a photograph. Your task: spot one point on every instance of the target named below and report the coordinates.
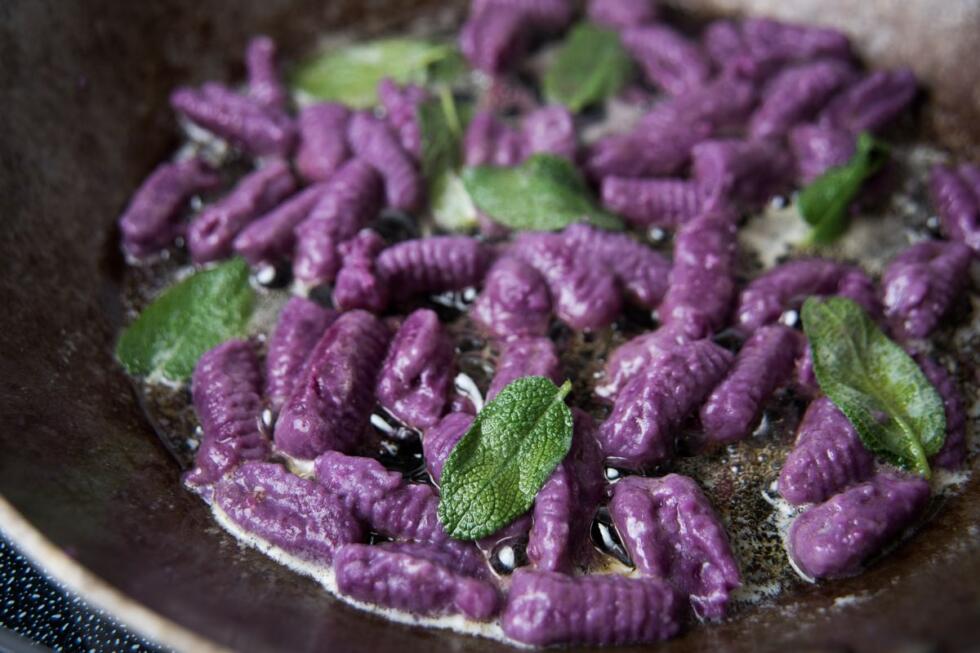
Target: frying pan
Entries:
(90, 494)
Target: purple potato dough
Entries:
(372, 140)
(544, 15)
(671, 532)
(291, 513)
(350, 202)
(300, 326)
(525, 357)
(871, 103)
(645, 152)
(952, 455)
(438, 441)
(549, 130)
(701, 283)
(322, 145)
(548, 608)
(957, 203)
(722, 103)
(272, 237)
(401, 105)
(240, 120)
(225, 391)
(639, 432)
(212, 233)
(828, 456)
(488, 141)
(632, 357)
(357, 481)
(359, 284)
(620, 14)
(817, 149)
(515, 301)
(667, 58)
(493, 41)
(795, 94)
(748, 172)
(264, 83)
(642, 273)
(463, 557)
(331, 403)
(921, 284)
(149, 223)
(583, 296)
(418, 371)
(764, 363)
(435, 264)
(654, 202)
(400, 580)
(834, 538)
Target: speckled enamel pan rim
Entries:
(93, 589)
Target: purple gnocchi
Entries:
(549, 130)
(857, 286)
(212, 233)
(357, 481)
(515, 301)
(953, 452)
(701, 283)
(241, 120)
(331, 402)
(834, 538)
(920, 285)
(359, 284)
(435, 264)
(525, 357)
(645, 152)
(654, 202)
(149, 223)
(620, 14)
(418, 371)
(493, 41)
(351, 200)
(291, 513)
(668, 59)
(642, 273)
(545, 15)
(764, 363)
(639, 432)
(871, 103)
(827, 457)
(671, 532)
(489, 141)
(264, 83)
(401, 107)
(548, 608)
(797, 93)
(401, 580)
(438, 441)
(747, 172)
(225, 390)
(722, 103)
(817, 149)
(584, 297)
(300, 326)
(272, 237)
(322, 145)
(372, 140)
(955, 194)
(632, 357)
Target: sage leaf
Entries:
(186, 320)
(824, 203)
(351, 74)
(590, 66)
(544, 193)
(442, 122)
(897, 413)
(494, 472)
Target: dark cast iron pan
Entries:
(89, 492)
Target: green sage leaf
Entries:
(186, 320)
(442, 122)
(544, 193)
(494, 472)
(351, 74)
(825, 202)
(590, 66)
(893, 407)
